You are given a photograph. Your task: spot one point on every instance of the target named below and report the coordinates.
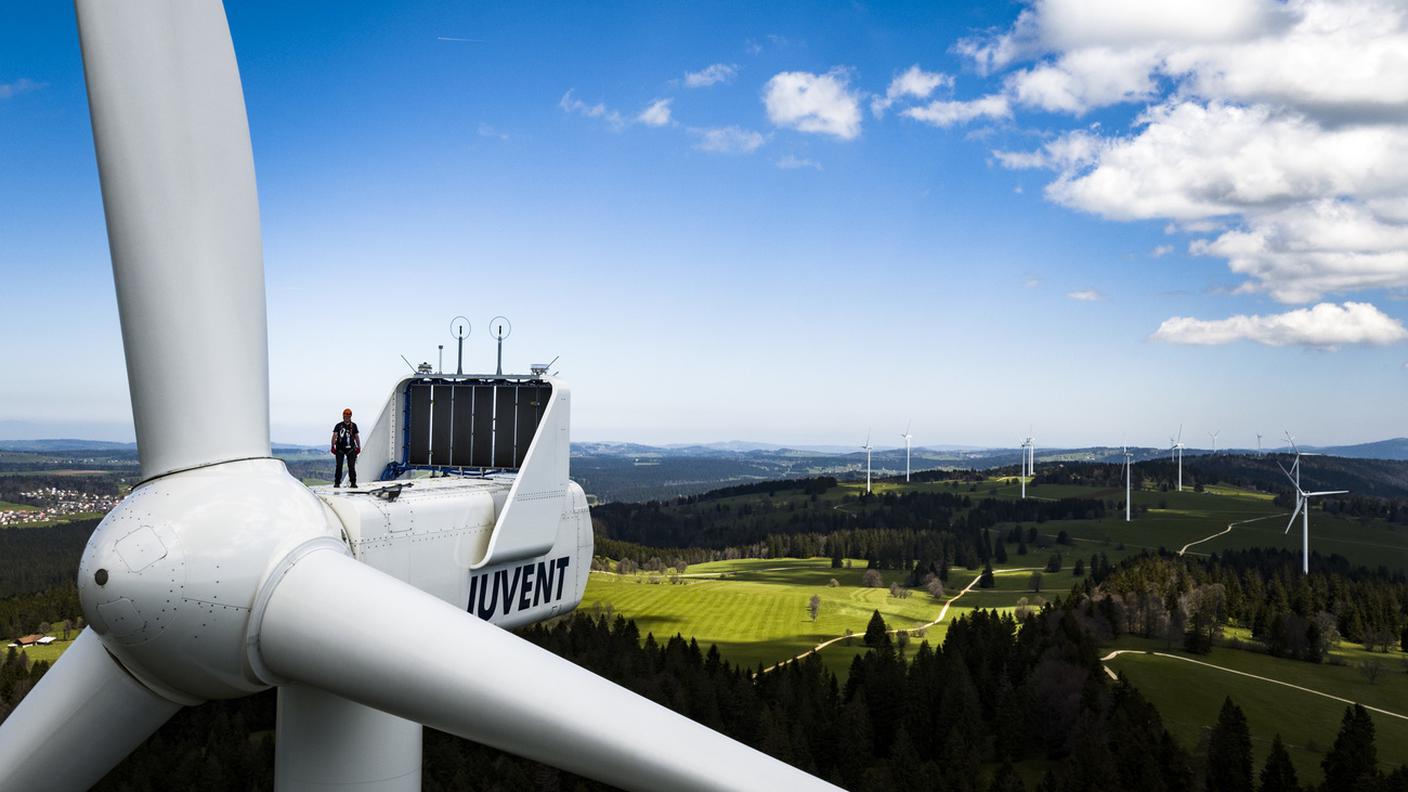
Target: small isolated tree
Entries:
(1023, 608)
(1034, 582)
(902, 641)
(986, 580)
(814, 606)
(836, 560)
(850, 634)
(1022, 548)
(1079, 569)
(1372, 669)
(872, 579)
(1053, 564)
(833, 583)
(935, 587)
(876, 632)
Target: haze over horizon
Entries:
(1096, 219)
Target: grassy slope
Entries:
(1188, 698)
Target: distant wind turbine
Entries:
(1026, 449)
(1128, 464)
(1302, 505)
(907, 437)
(1259, 452)
(867, 448)
(1175, 448)
(1214, 435)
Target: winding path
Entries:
(942, 613)
(1228, 530)
(1117, 652)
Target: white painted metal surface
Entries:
(83, 717)
(185, 556)
(480, 682)
(323, 742)
(183, 226)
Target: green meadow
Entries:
(1188, 697)
(756, 610)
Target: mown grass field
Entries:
(1188, 698)
(756, 609)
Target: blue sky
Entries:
(770, 256)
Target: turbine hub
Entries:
(170, 577)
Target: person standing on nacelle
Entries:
(346, 443)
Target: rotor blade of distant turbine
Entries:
(326, 624)
(1327, 492)
(85, 715)
(1299, 503)
(177, 174)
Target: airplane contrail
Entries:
(457, 38)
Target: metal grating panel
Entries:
(463, 431)
(418, 445)
(532, 400)
(505, 422)
(481, 454)
(441, 404)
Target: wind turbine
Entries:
(867, 448)
(1026, 448)
(1175, 448)
(1128, 464)
(1302, 505)
(220, 575)
(907, 437)
(1259, 452)
(1214, 435)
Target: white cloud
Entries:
(1085, 79)
(711, 75)
(1277, 130)
(1032, 283)
(728, 140)
(793, 162)
(573, 105)
(818, 103)
(943, 113)
(1326, 326)
(657, 114)
(489, 131)
(1310, 249)
(1085, 295)
(21, 86)
(912, 83)
(1161, 251)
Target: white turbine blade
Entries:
(85, 715)
(1299, 503)
(326, 626)
(1291, 478)
(1327, 492)
(177, 175)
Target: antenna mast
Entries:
(501, 328)
(459, 330)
